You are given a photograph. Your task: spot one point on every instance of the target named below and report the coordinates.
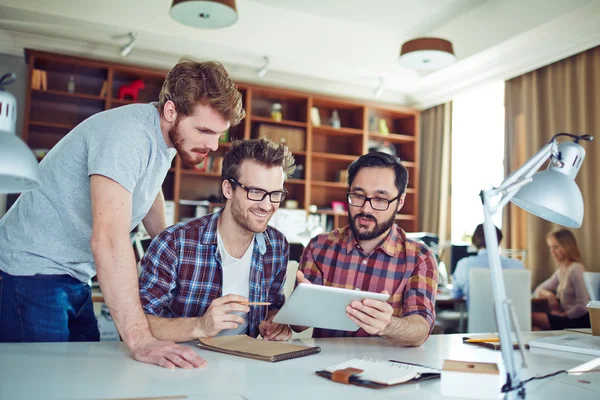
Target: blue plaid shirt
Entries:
(182, 275)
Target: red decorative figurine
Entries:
(131, 90)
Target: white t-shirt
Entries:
(236, 279)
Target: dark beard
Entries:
(178, 142)
(378, 229)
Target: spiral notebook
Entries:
(378, 374)
(245, 346)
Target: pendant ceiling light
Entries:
(427, 54)
(204, 13)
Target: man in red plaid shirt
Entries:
(373, 254)
(197, 275)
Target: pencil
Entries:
(488, 340)
(257, 303)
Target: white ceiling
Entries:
(339, 47)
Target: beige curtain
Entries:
(561, 97)
(435, 172)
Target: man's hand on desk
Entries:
(270, 330)
(371, 315)
(220, 315)
(166, 354)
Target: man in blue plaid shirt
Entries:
(196, 276)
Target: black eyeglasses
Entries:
(256, 194)
(377, 203)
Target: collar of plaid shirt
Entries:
(210, 236)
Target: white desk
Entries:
(106, 371)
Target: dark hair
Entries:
(190, 83)
(261, 151)
(478, 238)
(378, 159)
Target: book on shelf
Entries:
(378, 374)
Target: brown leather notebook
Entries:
(245, 346)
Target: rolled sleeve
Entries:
(421, 289)
(158, 279)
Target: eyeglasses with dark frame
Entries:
(256, 194)
(377, 203)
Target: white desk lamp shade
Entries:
(554, 197)
(553, 194)
(18, 166)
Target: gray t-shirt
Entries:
(48, 230)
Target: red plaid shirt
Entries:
(182, 275)
(401, 266)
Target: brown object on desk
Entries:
(344, 375)
(493, 343)
(245, 346)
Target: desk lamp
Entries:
(551, 194)
(18, 166)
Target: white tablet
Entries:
(322, 307)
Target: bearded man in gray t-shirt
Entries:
(98, 183)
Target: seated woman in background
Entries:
(565, 290)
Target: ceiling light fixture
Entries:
(125, 50)
(264, 69)
(209, 14)
(427, 54)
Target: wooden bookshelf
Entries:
(322, 150)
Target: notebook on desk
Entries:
(575, 343)
(245, 346)
(378, 374)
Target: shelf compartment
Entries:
(398, 122)
(351, 115)
(293, 106)
(88, 78)
(153, 81)
(344, 145)
(45, 108)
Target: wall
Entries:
(18, 89)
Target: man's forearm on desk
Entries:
(117, 276)
(175, 329)
(407, 331)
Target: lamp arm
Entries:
(531, 166)
(519, 178)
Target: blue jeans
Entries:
(46, 308)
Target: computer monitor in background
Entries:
(458, 251)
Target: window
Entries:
(477, 155)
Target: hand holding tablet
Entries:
(327, 307)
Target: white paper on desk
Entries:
(384, 372)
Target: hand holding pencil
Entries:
(221, 314)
